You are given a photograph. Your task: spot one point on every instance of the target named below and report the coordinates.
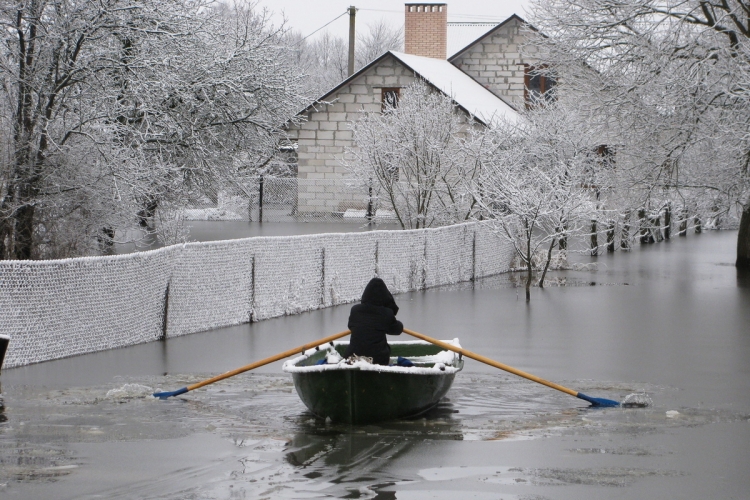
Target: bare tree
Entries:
(117, 106)
(671, 78)
(418, 158)
(379, 38)
(324, 59)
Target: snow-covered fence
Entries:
(54, 309)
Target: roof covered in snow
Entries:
(464, 90)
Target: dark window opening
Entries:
(606, 155)
(389, 98)
(539, 85)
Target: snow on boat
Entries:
(359, 392)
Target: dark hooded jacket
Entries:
(371, 320)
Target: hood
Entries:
(377, 294)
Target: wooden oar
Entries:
(282, 355)
(515, 371)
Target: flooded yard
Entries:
(671, 321)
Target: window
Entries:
(606, 155)
(539, 84)
(389, 98)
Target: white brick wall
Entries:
(497, 62)
(329, 127)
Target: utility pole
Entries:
(352, 14)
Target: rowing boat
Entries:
(355, 391)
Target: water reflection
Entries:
(3, 418)
(668, 321)
(743, 278)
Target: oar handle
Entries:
(237, 371)
(510, 369)
(491, 362)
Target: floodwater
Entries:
(199, 230)
(670, 321)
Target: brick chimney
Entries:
(426, 29)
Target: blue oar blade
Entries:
(600, 402)
(169, 394)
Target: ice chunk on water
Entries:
(636, 400)
(130, 391)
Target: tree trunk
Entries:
(743, 239)
(667, 221)
(528, 281)
(563, 239)
(24, 233)
(594, 239)
(546, 264)
(147, 212)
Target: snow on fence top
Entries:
(54, 309)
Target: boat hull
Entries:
(355, 395)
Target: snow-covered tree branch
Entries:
(115, 107)
(533, 185)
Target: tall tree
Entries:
(118, 106)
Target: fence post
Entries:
(474, 256)
(260, 200)
(424, 264)
(683, 222)
(323, 277)
(625, 234)
(369, 203)
(165, 314)
(656, 228)
(646, 236)
(610, 236)
(377, 248)
(252, 314)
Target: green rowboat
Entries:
(358, 392)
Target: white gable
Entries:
(462, 34)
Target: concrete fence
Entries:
(54, 309)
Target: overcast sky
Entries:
(306, 16)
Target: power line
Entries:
(326, 24)
(472, 23)
(488, 19)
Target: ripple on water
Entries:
(281, 447)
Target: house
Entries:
(487, 79)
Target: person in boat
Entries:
(371, 320)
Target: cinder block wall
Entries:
(426, 29)
(497, 62)
(322, 139)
